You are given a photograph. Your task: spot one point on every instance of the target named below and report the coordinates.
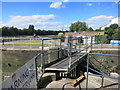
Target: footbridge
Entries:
(69, 55)
(63, 59)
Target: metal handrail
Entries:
(104, 54)
(101, 74)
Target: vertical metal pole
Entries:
(102, 81)
(87, 71)
(42, 55)
(79, 43)
(30, 42)
(119, 73)
(91, 42)
(60, 45)
(36, 69)
(70, 49)
(86, 43)
(60, 50)
(13, 42)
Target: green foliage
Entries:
(90, 29)
(116, 35)
(106, 29)
(31, 29)
(78, 27)
(12, 31)
(110, 30)
(113, 32)
(101, 39)
(114, 26)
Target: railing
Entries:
(78, 44)
(99, 72)
(74, 44)
(104, 43)
(27, 43)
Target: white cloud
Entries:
(1, 24)
(89, 4)
(36, 20)
(56, 27)
(115, 21)
(99, 19)
(57, 4)
(65, 0)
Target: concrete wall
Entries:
(106, 64)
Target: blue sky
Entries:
(57, 15)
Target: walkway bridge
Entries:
(64, 60)
(69, 55)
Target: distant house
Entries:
(84, 33)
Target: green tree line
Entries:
(112, 32)
(13, 31)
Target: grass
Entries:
(12, 65)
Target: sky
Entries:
(57, 15)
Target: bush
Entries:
(101, 39)
(116, 35)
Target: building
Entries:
(84, 33)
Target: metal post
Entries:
(79, 43)
(58, 52)
(70, 49)
(119, 74)
(60, 45)
(87, 71)
(91, 42)
(30, 42)
(102, 81)
(86, 43)
(36, 69)
(13, 42)
(60, 49)
(42, 56)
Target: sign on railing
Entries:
(25, 77)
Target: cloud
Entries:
(55, 27)
(1, 24)
(98, 19)
(65, 0)
(25, 21)
(57, 4)
(89, 4)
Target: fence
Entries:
(103, 42)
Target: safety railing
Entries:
(105, 43)
(100, 71)
(78, 44)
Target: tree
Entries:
(90, 29)
(114, 26)
(97, 30)
(78, 27)
(14, 31)
(116, 35)
(31, 29)
(106, 29)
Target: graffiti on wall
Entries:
(25, 77)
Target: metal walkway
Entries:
(63, 65)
